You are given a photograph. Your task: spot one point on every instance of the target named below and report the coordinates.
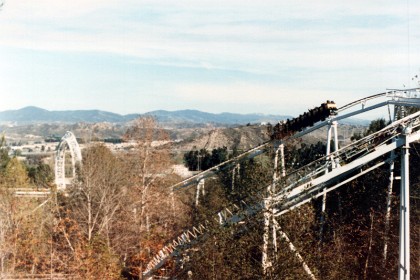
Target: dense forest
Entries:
(121, 210)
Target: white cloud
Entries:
(321, 40)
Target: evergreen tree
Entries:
(4, 153)
(16, 175)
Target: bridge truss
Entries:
(68, 140)
(316, 179)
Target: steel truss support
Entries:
(270, 229)
(70, 141)
(270, 221)
(268, 211)
(404, 246)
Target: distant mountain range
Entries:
(33, 114)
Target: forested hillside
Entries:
(121, 210)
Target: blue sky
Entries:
(278, 57)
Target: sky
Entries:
(273, 57)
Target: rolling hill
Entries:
(33, 114)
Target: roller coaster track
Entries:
(393, 94)
(309, 181)
(312, 180)
(362, 101)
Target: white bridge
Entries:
(68, 140)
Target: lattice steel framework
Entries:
(68, 140)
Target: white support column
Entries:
(265, 261)
(283, 161)
(197, 194)
(328, 151)
(332, 128)
(388, 206)
(200, 188)
(278, 149)
(335, 163)
(235, 173)
(274, 237)
(324, 196)
(233, 178)
(389, 190)
(404, 246)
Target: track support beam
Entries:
(404, 246)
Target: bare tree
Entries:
(150, 171)
(94, 204)
(98, 192)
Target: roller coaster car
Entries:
(330, 106)
(325, 110)
(290, 127)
